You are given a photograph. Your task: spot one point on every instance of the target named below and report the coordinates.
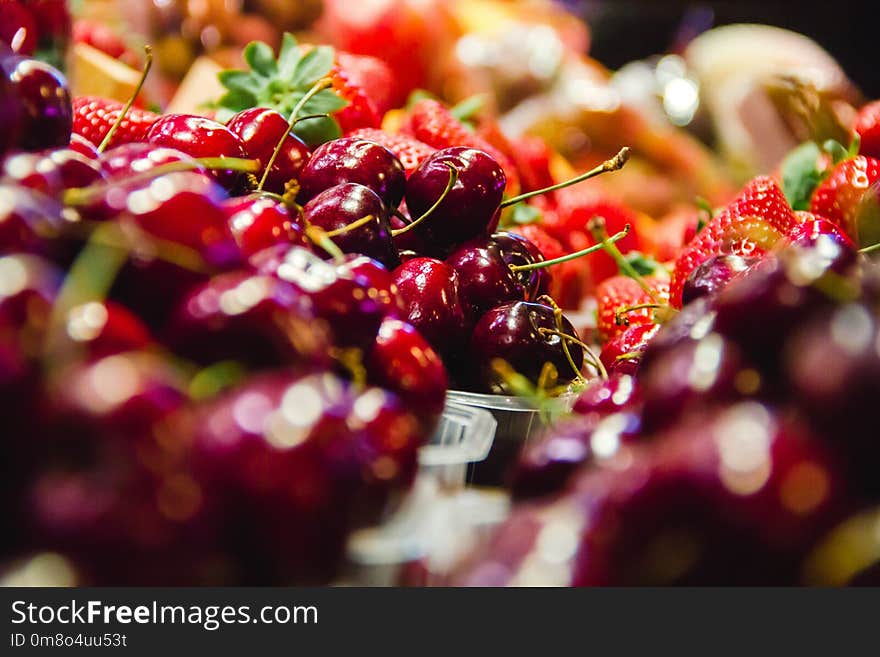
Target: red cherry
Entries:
(622, 354)
(258, 222)
(260, 129)
(47, 117)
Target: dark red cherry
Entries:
(353, 296)
(513, 333)
(486, 280)
(472, 206)
(258, 222)
(83, 146)
(825, 242)
(516, 250)
(353, 160)
(605, 396)
(47, 112)
(51, 172)
(11, 115)
(28, 220)
(713, 274)
(104, 328)
(623, 353)
(342, 205)
(407, 241)
(404, 362)
(258, 320)
(18, 28)
(182, 209)
(260, 129)
(198, 137)
(431, 295)
(127, 160)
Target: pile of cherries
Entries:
(220, 351)
(744, 452)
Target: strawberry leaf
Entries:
(522, 214)
(288, 56)
(314, 65)
(644, 265)
(801, 175)
(260, 58)
(837, 151)
(318, 131)
(239, 81)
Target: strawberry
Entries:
(867, 126)
(748, 226)
(99, 36)
(373, 77)
(431, 122)
(616, 294)
(93, 117)
(532, 156)
(409, 150)
(575, 207)
(839, 196)
(360, 112)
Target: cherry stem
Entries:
(595, 362)
(619, 318)
(557, 318)
(307, 117)
(85, 195)
(613, 164)
(596, 226)
(352, 359)
(354, 225)
(319, 86)
(453, 178)
(571, 256)
(870, 249)
(148, 64)
(320, 238)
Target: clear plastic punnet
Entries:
(463, 437)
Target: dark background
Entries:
(623, 30)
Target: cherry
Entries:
(827, 243)
(198, 137)
(526, 336)
(623, 353)
(258, 222)
(18, 28)
(472, 206)
(258, 320)
(713, 274)
(431, 294)
(104, 328)
(11, 115)
(407, 240)
(402, 361)
(182, 209)
(605, 396)
(353, 160)
(83, 146)
(339, 211)
(516, 250)
(135, 158)
(47, 116)
(52, 172)
(833, 367)
(28, 220)
(260, 129)
(486, 279)
(353, 296)
(546, 465)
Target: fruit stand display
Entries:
(419, 293)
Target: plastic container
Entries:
(463, 437)
(518, 419)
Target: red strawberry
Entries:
(868, 128)
(748, 226)
(575, 207)
(431, 122)
(838, 197)
(361, 111)
(623, 354)
(618, 293)
(409, 150)
(532, 157)
(93, 117)
(373, 77)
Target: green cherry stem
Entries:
(596, 226)
(319, 86)
(595, 362)
(613, 164)
(571, 256)
(619, 314)
(347, 228)
(453, 178)
(870, 249)
(85, 195)
(148, 64)
(320, 238)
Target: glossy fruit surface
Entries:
(47, 115)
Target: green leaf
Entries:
(416, 95)
(260, 58)
(317, 131)
(522, 214)
(323, 102)
(643, 264)
(801, 175)
(288, 56)
(314, 65)
(467, 109)
(237, 100)
(239, 81)
(837, 151)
